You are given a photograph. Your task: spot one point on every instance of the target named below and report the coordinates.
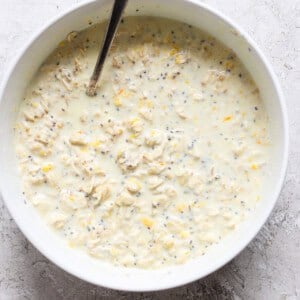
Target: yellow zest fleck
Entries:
(180, 59)
(133, 121)
(147, 222)
(119, 154)
(61, 44)
(71, 198)
(145, 103)
(257, 198)
(164, 107)
(243, 114)
(119, 131)
(174, 50)
(168, 244)
(133, 136)
(254, 167)
(34, 104)
(97, 170)
(181, 207)
(183, 234)
(47, 168)
(214, 108)
(43, 153)
(152, 132)
(60, 125)
(71, 244)
(95, 143)
(83, 149)
(120, 91)
(117, 102)
(187, 82)
(227, 118)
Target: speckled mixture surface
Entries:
(267, 268)
(135, 175)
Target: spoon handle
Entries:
(114, 20)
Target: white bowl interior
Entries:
(78, 263)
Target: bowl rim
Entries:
(273, 198)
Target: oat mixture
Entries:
(165, 161)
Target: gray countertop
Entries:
(269, 268)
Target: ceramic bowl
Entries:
(78, 263)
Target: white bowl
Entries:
(76, 262)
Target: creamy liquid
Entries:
(164, 162)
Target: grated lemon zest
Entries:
(47, 168)
(147, 222)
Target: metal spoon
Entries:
(115, 18)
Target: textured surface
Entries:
(269, 268)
